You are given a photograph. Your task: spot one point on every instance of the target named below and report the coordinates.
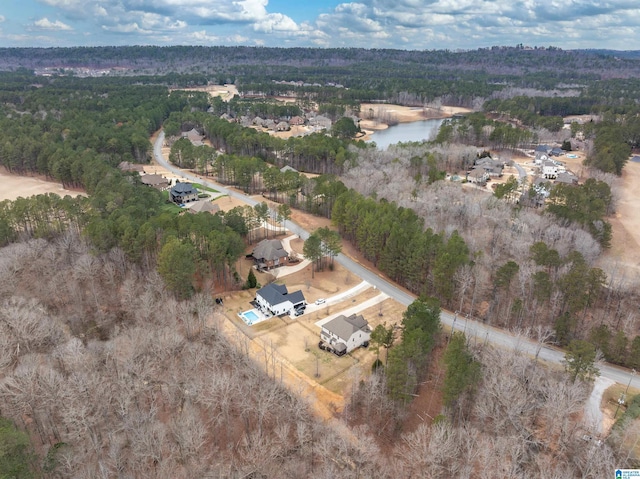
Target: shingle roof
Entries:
(203, 207)
(344, 327)
(269, 250)
(183, 189)
(275, 294)
(153, 180)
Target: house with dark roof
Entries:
(346, 333)
(556, 152)
(183, 193)
(270, 253)
(275, 299)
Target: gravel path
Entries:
(592, 413)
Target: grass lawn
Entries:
(205, 188)
(168, 206)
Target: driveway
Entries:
(475, 330)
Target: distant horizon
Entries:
(414, 25)
(457, 50)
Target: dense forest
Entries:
(106, 296)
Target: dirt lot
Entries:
(625, 246)
(294, 342)
(14, 186)
(226, 92)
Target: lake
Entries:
(413, 131)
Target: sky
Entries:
(403, 24)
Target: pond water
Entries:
(414, 131)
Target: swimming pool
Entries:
(251, 317)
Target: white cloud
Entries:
(127, 28)
(275, 22)
(2, 19)
(46, 24)
(413, 24)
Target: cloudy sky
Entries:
(406, 24)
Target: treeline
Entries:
(77, 132)
(110, 375)
(70, 129)
(395, 241)
(541, 112)
(478, 129)
(407, 363)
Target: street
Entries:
(474, 330)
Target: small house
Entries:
(183, 193)
(275, 299)
(344, 334)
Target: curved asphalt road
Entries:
(475, 330)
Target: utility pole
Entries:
(623, 396)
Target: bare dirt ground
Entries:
(14, 186)
(226, 92)
(625, 247)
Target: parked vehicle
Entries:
(320, 301)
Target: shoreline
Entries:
(395, 114)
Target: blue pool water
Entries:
(251, 317)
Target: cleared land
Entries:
(14, 186)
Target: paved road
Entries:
(521, 172)
(475, 330)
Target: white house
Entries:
(344, 334)
(275, 299)
(549, 169)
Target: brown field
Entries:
(14, 186)
(294, 342)
(226, 92)
(625, 246)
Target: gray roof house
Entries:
(344, 334)
(204, 207)
(478, 175)
(275, 299)
(567, 178)
(183, 193)
(157, 181)
(270, 253)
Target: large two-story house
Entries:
(344, 334)
(183, 193)
(276, 300)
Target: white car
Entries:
(320, 301)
